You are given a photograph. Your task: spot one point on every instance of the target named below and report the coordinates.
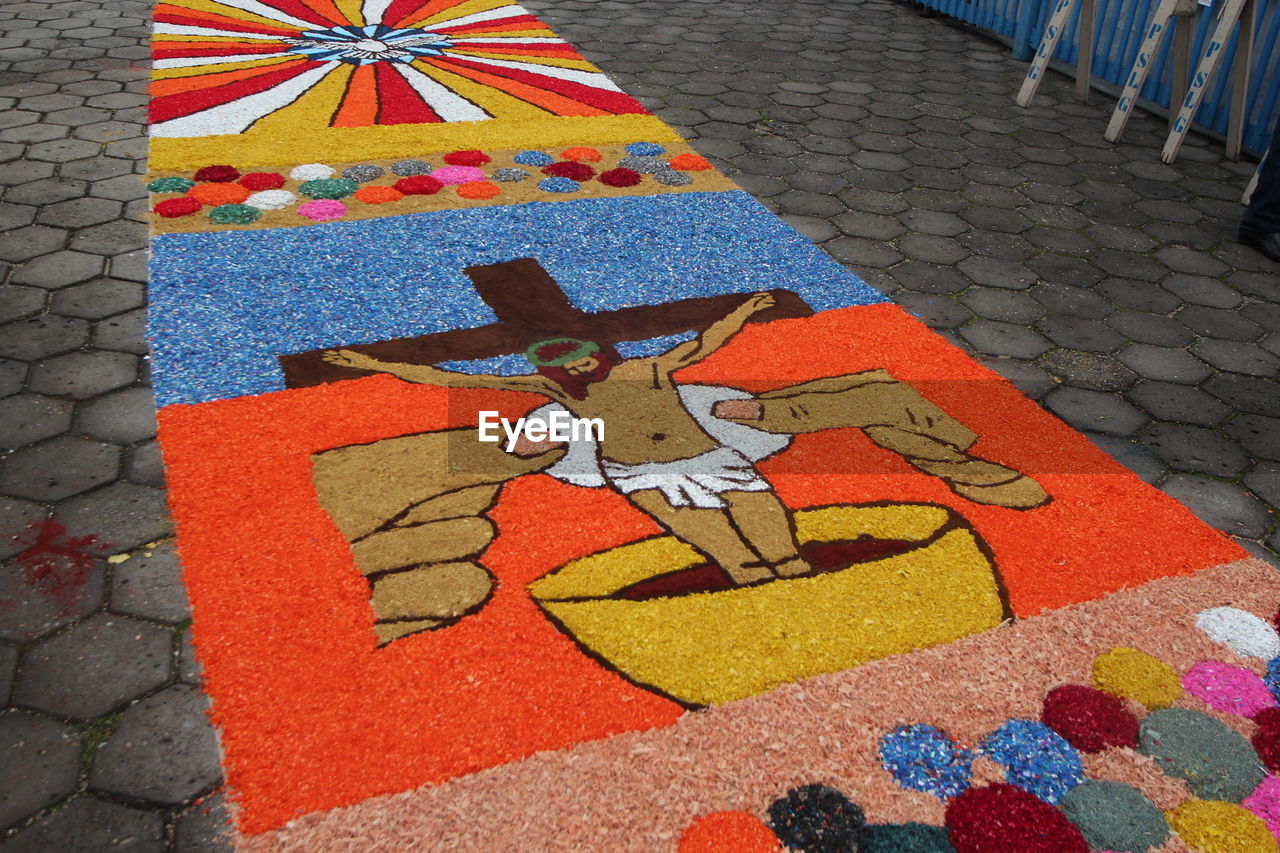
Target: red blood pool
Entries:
(1266, 742)
(218, 174)
(419, 185)
(823, 557)
(1006, 819)
(620, 177)
(172, 208)
(258, 181)
(571, 170)
(467, 158)
(1089, 719)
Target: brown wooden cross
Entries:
(531, 307)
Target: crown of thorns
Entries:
(563, 351)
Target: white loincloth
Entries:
(697, 481)
(581, 464)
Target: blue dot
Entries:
(645, 149)
(533, 158)
(923, 758)
(1272, 678)
(1036, 759)
(559, 185)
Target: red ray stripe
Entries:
(400, 11)
(186, 103)
(218, 22)
(306, 13)
(495, 25)
(613, 102)
(161, 53)
(398, 102)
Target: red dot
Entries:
(728, 832)
(218, 174)
(1266, 742)
(1006, 819)
(620, 178)
(419, 185)
(571, 170)
(467, 158)
(1089, 719)
(1268, 718)
(257, 181)
(172, 208)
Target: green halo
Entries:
(585, 348)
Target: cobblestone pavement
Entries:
(1103, 283)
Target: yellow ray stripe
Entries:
(351, 8)
(541, 33)
(469, 7)
(313, 110)
(554, 61)
(493, 101)
(230, 12)
(170, 73)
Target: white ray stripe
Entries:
(450, 105)
(493, 14)
(594, 79)
(265, 11)
(498, 37)
(374, 10)
(193, 61)
(238, 115)
(179, 30)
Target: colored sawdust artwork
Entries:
(537, 489)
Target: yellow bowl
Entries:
(704, 648)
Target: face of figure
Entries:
(584, 366)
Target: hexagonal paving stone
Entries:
(79, 212)
(1026, 377)
(17, 301)
(149, 585)
(189, 669)
(98, 298)
(1219, 323)
(1151, 328)
(997, 272)
(111, 238)
(89, 825)
(1137, 296)
(996, 303)
(1237, 357)
(95, 667)
(58, 269)
(1258, 434)
(1189, 448)
(131, 266)
(1131, 455)
(1264, 481)
(30, 242)
(27, 418)
(1165, 364)
(1080, 334)
(1095, 411)
(122, 515)
(1200, 290)
(1246, 393)
(1225, 506)
(164, 750)
(44, 755)
(996, 338)
(59, 468)
(84, 374)
(1181, 403)
(1093, 371)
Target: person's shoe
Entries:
(1264, 242)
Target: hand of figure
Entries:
(758, 302)
(348, 358)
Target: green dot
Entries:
(170, 185)
(234, 214)
(328, 188)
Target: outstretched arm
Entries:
(717, 334)
(425, 374)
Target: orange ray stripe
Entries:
(170, 46)
(550, 101)
(360, 104)
(429, 10)
(329, 10)
(504, 28)
(176, 85)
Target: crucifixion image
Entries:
(684, 454)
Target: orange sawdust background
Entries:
(313, 715)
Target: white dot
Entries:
(271, 200)
(1246, 634)
(311, 172)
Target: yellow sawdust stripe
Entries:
(232, 12)
(553, 61)
(197, 70)
(299, 144)
(497, 103)
(471, 7)
(314, 109)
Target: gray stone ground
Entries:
(1103, 283)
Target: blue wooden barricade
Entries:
(1120, 27)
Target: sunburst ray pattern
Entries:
(223, 66)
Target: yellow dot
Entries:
(1221, 828)
(1133, 674)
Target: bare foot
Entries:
(791, 568)
(743, 575)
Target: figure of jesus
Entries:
(664, 459)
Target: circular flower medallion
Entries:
(366, 45)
